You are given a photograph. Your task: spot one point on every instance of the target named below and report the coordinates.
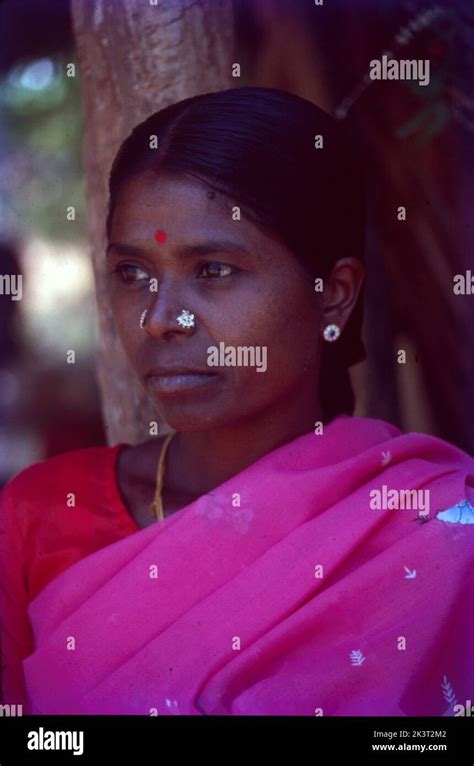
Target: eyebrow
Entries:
(183, 251)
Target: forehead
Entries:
(180, 207)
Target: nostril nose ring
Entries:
(185, 319)
(143, 318)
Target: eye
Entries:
(215, 268)
(128, 273)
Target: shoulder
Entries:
(412, 444)
(82, 468)
(71, 464)
(57, 511)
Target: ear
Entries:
(341, 291)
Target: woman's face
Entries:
(259, 298)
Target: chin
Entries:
(195, 417)
(190, 417)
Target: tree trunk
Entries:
(133, 59)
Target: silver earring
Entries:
(142, 318)
(185, 319)
(331, 332)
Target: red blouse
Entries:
(52, 514)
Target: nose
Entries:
(165, 311)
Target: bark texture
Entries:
(133, 59)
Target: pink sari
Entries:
(282, 592)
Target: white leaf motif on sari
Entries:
(217, 508)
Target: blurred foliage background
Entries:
(46, 406)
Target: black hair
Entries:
(258, 146)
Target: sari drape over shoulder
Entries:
(287, 590)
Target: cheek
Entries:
(126, 317)
(287, 325)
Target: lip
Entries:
(165, 371)
(174, 381)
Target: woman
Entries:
(273, 554)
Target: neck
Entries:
(209, 458)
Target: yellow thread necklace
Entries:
(156, 506)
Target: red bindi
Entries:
(160, 236)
